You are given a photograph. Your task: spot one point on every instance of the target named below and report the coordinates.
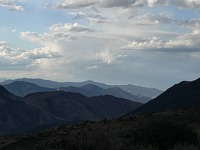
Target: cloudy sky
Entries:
(154, 43)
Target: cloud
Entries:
(185, 3)
(92, 67)
(189, 42)
(76, 4)
(146, 19)
(106, 56)
(116, 3)
(79, 45)
(151, 3)
(153, 19)
(11, 5)
(38, 53)
(92, 17)
(13, 30)
(181, 4)
(149, 43)
(23, 58)
(58, 32)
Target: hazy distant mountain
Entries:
(22, 88)
(93, 90)
(184, 94)
(143, 91)
(2, 79)
(132, 89)
(74, 106)
(54, 84)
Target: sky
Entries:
(152, 43)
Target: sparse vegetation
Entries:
(164, 134)
(154, 131)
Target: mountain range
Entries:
(173, 115)
(52, 107)
(132, 89)
(91, 90)
(182, 95)
(22, 88)
(43, 109)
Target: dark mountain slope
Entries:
(76, 107)
(17, 117)
(184, 94)
(93, 90)
(22, 88)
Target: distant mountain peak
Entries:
(22, 88)
(90, 86)
(131, 89)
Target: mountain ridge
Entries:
(22, 88)
(91, 90)
(24, 114)
(132, 89)
(181, 95)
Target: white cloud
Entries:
(186, 3)
(75, 4)
(23, 58)
(152, 2)
(58, 32)
(92, 17)
(106, 56)
(13, 30)
(146, 19)
(149, 43)
(116, 3)
(11, 5)
(179, 3)
(92, 67)
(188, 42)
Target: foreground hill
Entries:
(171, 130)
(132, 89)
(22, 88)
(182, 95)
(77, 107)
(93, 90)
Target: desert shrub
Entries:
(164, 135)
